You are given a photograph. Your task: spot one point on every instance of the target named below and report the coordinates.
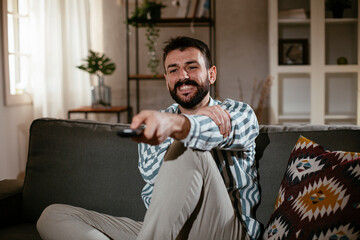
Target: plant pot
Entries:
(155, 13)
(100, 94)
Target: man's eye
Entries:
(172, 71)
(193, 67)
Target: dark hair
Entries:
(182, 43)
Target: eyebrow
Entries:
(191, 62)
(172, 65)
(186, 63)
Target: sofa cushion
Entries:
(81, 163)
(273, 147)
(319, 196)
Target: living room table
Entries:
(87, 109)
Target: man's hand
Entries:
(220, 116)
(160, 126)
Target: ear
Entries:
(212, 74)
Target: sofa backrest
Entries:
(84, 164)
(274, 145)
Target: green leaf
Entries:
(97, 62)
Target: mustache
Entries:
(185, 82)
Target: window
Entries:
(16, 50)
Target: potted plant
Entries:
(148, 14)
(337, 7)
(100, 65)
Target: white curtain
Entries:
(61, 39)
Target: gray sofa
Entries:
(85, 164)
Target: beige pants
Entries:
(189, 201)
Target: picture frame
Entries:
(293, 52)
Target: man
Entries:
(186, 154)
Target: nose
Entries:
(183, 74)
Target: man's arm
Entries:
(205, 135)
(230, 125)
(160, 126)
(220, 116)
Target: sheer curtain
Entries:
(61, 39)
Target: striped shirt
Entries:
(234, 156)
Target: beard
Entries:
(202, 91)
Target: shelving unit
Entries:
(320, 92)
(138, 76)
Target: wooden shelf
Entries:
(146, 77)
(181, 22)
(340, 20)
(294, 69)
(340, 117)
(294, 117)
(87, 109)
(321, 92)
(350, 68)
(294, 21)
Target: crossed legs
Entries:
(189, 201)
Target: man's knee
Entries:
(49, 217)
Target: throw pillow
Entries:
(319, 197)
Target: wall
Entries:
(14, 133)
(242, 52)
(14, 127)
(242, 55)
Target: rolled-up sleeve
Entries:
(205, 135)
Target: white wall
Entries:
(14, 127)
(241, 41)
(14, 133)
(242, 52)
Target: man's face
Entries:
(187, 78)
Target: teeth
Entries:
(185, 87)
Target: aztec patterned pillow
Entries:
(319, 197)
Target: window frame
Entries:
(10, 99)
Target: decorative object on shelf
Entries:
(259, 95)
(100, 65)
(293, 52)
(202, 8)
(337, 7)
(100, 94)
(298, 13)
(183, 7)
(148, 14)
(342, 61)
(152, 35)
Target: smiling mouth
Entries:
(186, 87)
(187, 82)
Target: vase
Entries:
(100, 94)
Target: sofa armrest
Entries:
(10, 201)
